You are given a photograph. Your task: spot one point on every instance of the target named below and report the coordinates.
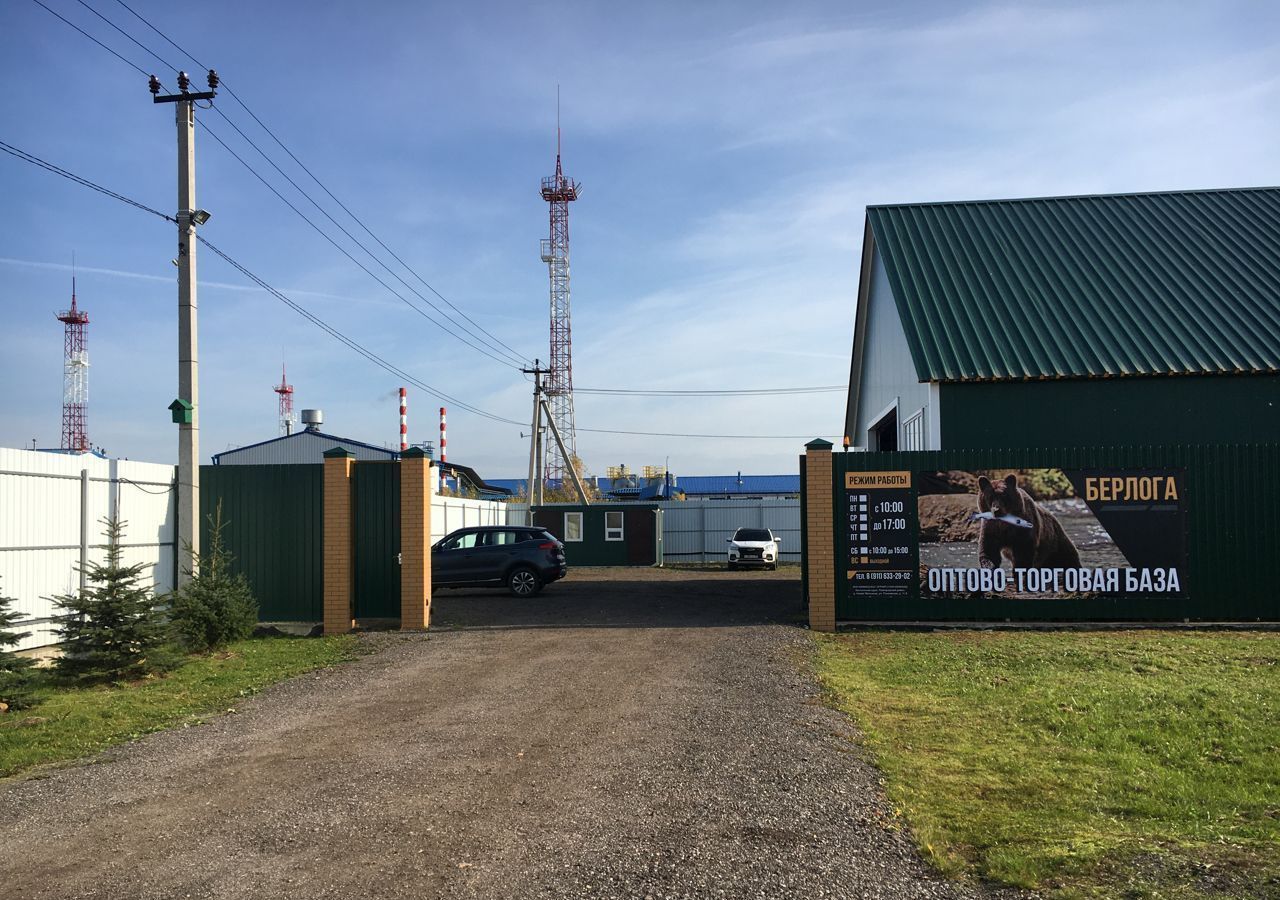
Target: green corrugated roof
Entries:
(1119, 284)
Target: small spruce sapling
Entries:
(110, 630)
(217, 605)
(15, 670)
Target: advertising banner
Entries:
(880, 533)
(1050, 533)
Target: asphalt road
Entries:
(628, 733)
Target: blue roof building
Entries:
(691, 487)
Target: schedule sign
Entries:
(881, 534)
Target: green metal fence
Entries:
(1231, 502)
(273, 520)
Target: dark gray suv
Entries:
(521, 557)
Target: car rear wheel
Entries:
(524, 582)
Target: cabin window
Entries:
(572, 526)
(613, 526)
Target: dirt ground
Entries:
(627, 733)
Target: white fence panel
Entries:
(696, 531)
(451, 513)
(51, 507)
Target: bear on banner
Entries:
(1014, 525)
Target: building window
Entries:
(572, 527)
(913, 437)
(613, 526)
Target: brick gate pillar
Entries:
(339, 541)
(416, 489)
(820, 538)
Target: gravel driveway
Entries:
(628, 733)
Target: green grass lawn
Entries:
(67, 723)
(1106, 764)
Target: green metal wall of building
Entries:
(273, 524)
(1176, 409)
(641, 544)
(1232, 501)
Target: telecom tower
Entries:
(285, 390)
(559, 191)
(75, 377)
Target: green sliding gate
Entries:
(376, 519)
(273, 526)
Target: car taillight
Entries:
(548, 546)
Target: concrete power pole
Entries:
(535, 455)
(186, 409)
(542, 408)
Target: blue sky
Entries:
(727, 152)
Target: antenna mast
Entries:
(559, 191)
(285, 390)
(75, 374)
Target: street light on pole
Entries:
(186, 408)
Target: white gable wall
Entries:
(888, 376)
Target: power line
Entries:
(354, 345)
(513, 361)
(723, 437)
(166, 37)
(168, 65)
(480, 337)
(320, 231)
(50, 167)
(298, 308)
(746, 392)
(350, 342)
(92, 38)
(493, 339)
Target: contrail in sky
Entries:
(143, 276)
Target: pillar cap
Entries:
(413, 453)
(338, 453)
(819, 444)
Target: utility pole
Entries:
(564, 453)
(542, 408)
(535, 470)
(186, 409)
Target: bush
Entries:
(110, 630)
(216, 606)
(15, 670)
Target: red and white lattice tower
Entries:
(75, 376)
(404, 420)
(443, 455)
(285, 390)
(559, 191)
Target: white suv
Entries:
(753, 547)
